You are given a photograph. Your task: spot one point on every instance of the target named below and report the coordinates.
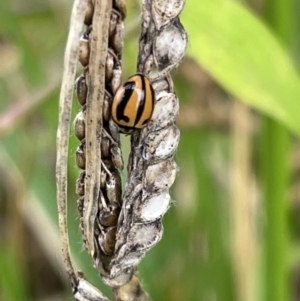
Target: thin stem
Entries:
(275, 154)
(65, 106)
(275, 150)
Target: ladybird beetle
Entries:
(133, 104)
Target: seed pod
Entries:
(79, 126)
(151, 169)
(80, 155)
(81, 89)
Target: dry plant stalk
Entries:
(82, 290)
(117, 232)
(99, 154)
(65, 106)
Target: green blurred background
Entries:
(233, 231)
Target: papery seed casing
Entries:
(161, 145)
(154, 208)
(165, 11)
(169, 47)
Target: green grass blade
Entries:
(245, 57)
(12, 288)
(11, 23)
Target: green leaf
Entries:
(240, 52)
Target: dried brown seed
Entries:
(114, 131)
(88, 19)
(107, 240)
(79, 126)
(109, 66)
(117, 38)
(80, 184)
(109, 218)
(80, 155)
(103, 178)
(121, 6)
(80, 206)
(113, 188)
(107, 106)
(108, 163)
(116, 79)
(105, 147)
(116, 156)
(84, 51)
(81, 89)
(114, 18)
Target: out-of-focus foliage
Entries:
(213, 246)
(245, 57)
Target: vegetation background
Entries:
(233, 232)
